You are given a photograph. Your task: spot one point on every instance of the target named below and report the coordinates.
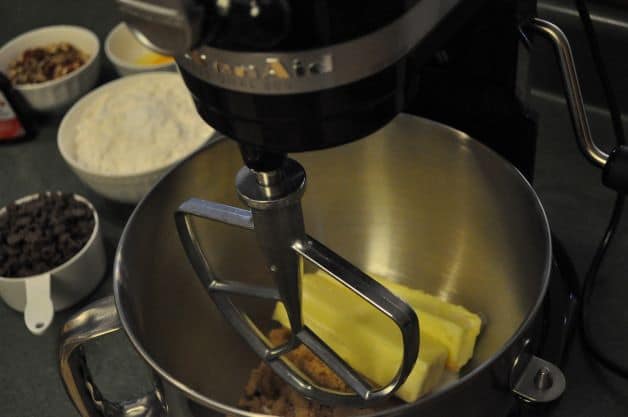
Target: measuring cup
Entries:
(39, 296)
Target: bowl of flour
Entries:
(122, 137)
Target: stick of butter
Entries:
(363, 337)
(452, 325)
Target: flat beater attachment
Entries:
(275, 215)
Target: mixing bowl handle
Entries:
(98, 319)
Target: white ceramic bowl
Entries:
(124, 188)
(59, 93)
(124, 51)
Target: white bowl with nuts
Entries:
(52, 66)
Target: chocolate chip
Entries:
(73, 247)
(32, 236)
(23, 221)
(85, 226)
(35, 256)
(37, 205)
(24, 271)
(78, 212)
(15, 238)
(12, 250)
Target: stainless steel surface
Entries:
(333, 66)
(420, 203)
(269, 178)
(277, 217)
(98, 319)
(286, 187)
(171, 27)
(221, 212)
(278, 222)
(573, 93)
(540, 382)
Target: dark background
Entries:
(570, 189)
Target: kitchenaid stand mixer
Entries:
(282, 77)
(274, 102)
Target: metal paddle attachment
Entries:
(275, 215)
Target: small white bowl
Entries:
(125, 188)
(59, 93)
(124, 51)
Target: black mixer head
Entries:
(290, 75)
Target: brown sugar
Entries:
(266, 393)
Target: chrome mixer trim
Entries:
(277, 73)
(170, 27)
(143, 9)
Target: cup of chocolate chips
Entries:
(51, 255)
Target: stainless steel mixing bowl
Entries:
(417, 202)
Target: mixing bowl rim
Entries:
(229, 410)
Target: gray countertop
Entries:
(577, 204)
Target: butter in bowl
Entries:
(129, 56)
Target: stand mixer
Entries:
(279, 77)
(289, 76)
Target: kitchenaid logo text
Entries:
(269, 68)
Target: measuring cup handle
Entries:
(39, 310)
(98, 319)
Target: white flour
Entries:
(140, 128)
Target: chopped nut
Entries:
(37, 65)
